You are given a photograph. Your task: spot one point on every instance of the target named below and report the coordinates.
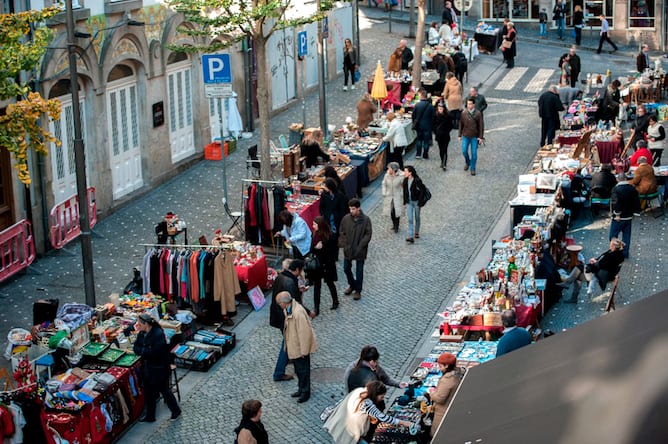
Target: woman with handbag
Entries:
(349, 64)
(413, 201)
(508, 46)
(325, 251)
(349, 422)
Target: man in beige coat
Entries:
(299, 342)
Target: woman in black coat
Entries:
(510, 53)
(152, 347)
(442, 126)
(605, 268)
(326, 250)
(333, 204)
(414, 200)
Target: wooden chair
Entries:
(583, 145)
(610, 305)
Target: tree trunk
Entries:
(419, 43)
(264, 105)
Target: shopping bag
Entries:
(358, 75)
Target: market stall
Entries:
(488, 38)
(315, 179)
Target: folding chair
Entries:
(598, 201)
(252, 161)
(648, 199)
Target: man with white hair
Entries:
(549, 106)
(300, 342)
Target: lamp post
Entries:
(80, 162)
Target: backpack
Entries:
(426, 196)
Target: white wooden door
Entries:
(181, 132)
(63, 167)
(125, 151)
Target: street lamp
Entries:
(80, 162)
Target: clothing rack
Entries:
(247, 182)
(185, 246)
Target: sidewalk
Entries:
(526, 32)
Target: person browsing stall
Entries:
(325, 249)
(152, 346)
(396, 136)
(366, 369)
(441, 396)
(642, 60)
(656, 139)
(514, 337)
(350, 421)
(296, 231)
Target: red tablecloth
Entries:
(608, 150)
(253, 275)
(310, 212)
(78, 427)
(393, 90)
(570, 140)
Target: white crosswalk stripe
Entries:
(510, 79)
(539, 81)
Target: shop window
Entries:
(641, 13)
(520, 9)
(594, 8)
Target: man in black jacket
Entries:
(549, 106)
(625, 203)
(602, 182)
(287, 280)
(574, 62)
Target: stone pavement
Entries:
(405, 285)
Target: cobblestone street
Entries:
(405, 285)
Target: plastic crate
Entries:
(230, 344)
(213, 151)
(198, 365)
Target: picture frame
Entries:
(256, 297)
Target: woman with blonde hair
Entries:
(394, 64)
(393, 194)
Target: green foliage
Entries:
(229, 21)
(22, 45)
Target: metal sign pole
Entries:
(222, 147)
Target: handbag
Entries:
(506, 44)
(311, 262)
(357, 75)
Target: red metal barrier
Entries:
(64, 219)
(17, 249)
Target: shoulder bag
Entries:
(311, 262)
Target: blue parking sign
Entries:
(216, 68)
(302, 49)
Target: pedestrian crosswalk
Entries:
(538, 82)
(509, 80)
(528, 80)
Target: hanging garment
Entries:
(225, 283)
